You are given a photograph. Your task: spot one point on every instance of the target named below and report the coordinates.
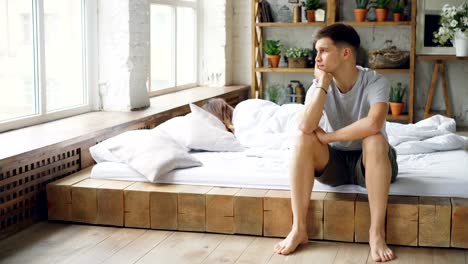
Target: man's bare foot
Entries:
(379, 249)
(290, 243)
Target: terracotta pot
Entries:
(360, 14)
(396, 108)
(310, 15)
(381, 14)
(397, 17)
(273, 60)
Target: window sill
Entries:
(86, 126)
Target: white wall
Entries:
(371, 38)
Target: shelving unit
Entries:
(258, 69)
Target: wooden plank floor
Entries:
(50, 242)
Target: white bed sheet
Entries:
(442, 174)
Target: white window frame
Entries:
(90, 63)
(179, 3)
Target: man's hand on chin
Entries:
(322, 136)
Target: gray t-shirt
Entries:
(343, 109)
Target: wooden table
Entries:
(439, 68)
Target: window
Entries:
(173, 46)
(44, 49)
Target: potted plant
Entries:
(273, 93)
(454, 27)
(398, 10)
(297, 57)
(361, 10)
(381, 11)
(310, 7)
(396, 99)
(273, 50)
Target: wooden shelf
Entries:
(300, 24)
(441, 57)
(402, 117)
(284, 69)
(392, 70)
(374, 24)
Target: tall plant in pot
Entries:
(360, 11)
(454, 26)
(381, 11)
(272, 49)
(398, 10)
(396, 98)
(297, 57)
(310, 7)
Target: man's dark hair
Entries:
(340, 33)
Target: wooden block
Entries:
(362, 219)
(163, 206)
(110, 203)
(315, 216)
(277, 213)
(248, 211)
(402, 220)
(84, 201)
(137, 204)
(59, 196)
(191, 206)
(339, 217)
(434, 221)
(459, 223)
(220, 210)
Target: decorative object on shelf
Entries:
(371, 10)
(388, 58)
(382, 10)
(398, 10)
(297, 57)
(361, 10)
(284, 14)
(396, 99)
(297, 13)
(320, 15)
(453, 26)
(274, 92)
(296, 92)
(273, 50)
(310, 7)
(265, 11)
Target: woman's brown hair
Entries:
(222, 110)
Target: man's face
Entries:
(329, 56)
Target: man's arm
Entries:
(313, 110)
(370, 125)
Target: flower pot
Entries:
(360, 14)
(273, 60)
(397, 17)
(297, 62)
(381, 14)
(310, 15)
(461, 44)
(396, 108)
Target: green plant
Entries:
(297, 52)
(274, 92)
(312, 4)
(272, 47)
(383, 3)
(361, 4)
(397, 93)
(398, 7)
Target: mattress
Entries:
(443, 174)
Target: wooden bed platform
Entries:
(411, 221)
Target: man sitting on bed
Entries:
(354, 149)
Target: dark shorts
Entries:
(346, 167)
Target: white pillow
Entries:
(206, 132)
(152, 153)
(176, 128)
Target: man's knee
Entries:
(307, 139)
(376, 144)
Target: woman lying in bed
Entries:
(222, 110)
